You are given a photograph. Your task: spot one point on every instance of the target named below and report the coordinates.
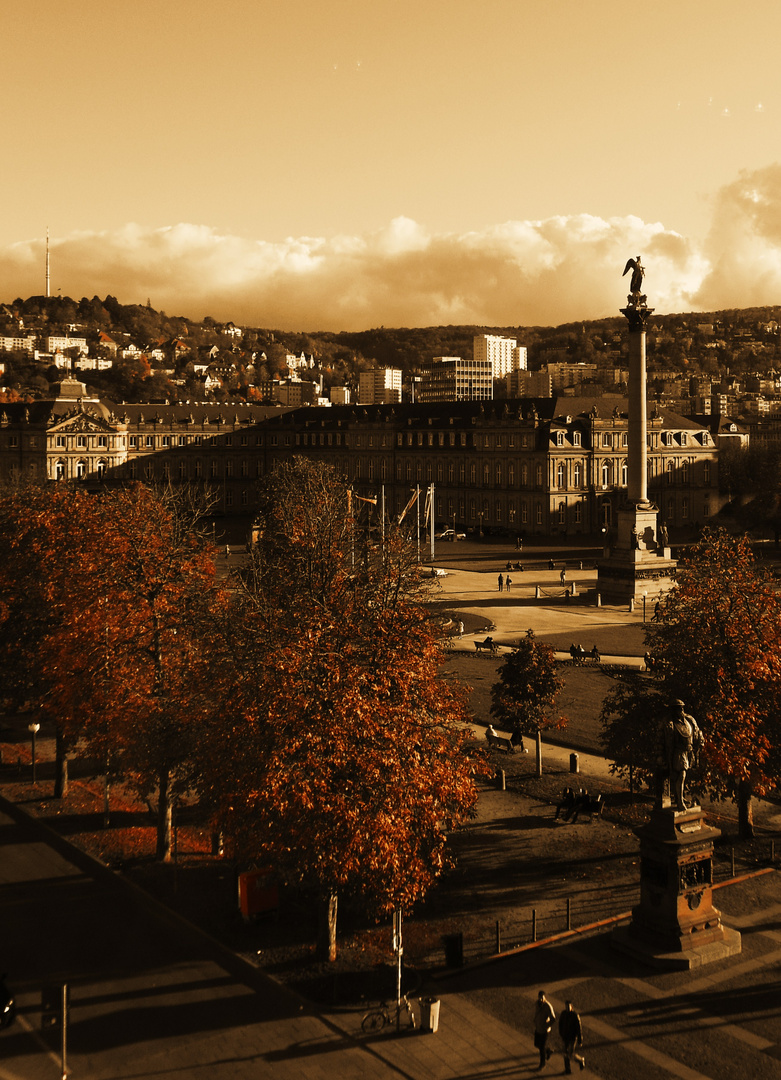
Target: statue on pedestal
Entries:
(635, 298)
(681, 742)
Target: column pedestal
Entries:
(675, 925)
(638, 565)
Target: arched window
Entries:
(560, 476)
(624, 475)
(577, 474)
(81, 470)
(59, 470)
(607, 474)
(101, 470)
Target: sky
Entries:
(341, 165)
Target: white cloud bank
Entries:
(520, 272)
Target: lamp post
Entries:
(33, 729)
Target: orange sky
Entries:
(339, 164)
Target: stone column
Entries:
(637, 457)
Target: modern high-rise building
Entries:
(450, 378)
(380, 386)
(504, 353)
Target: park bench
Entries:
(499, 741)
(574, 803)
(488, 645)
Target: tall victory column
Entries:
(639, 563)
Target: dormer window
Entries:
(559, 438)
(576, 438)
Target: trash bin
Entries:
(573, 763)
(454, 949)
(429, 1014)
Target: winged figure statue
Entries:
(638, 272)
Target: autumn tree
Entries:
(631, 715)
(111, 611)
(338, 753)
(718, 648)
(526, 691)
(37, 532)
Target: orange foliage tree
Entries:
(338, 754)
(126, 599)
(718, 647)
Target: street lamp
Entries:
(33, 729)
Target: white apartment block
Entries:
(380, 386)
(505, 354)
(19, 344)
(57, 343)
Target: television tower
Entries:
(48, 286)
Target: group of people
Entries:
(505, 583)
(513, 566)
(570, 1031)
(579, 654)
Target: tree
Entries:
(107, 608)
(630, 718)
(718, 647)
(525, 694)
(338, 753)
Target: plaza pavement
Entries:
(152, 997)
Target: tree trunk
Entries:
(745, 810)
(60, 766)
(165, 817)
(539, 753)
(326, 927)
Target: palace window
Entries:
(576, 474)
(560, 476)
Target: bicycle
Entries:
(376, 1018)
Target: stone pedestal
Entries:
(675, 925)
(639, 565)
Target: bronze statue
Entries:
(636, 284)
(681, 744)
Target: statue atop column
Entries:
(635, 298)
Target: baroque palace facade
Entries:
(531, 466)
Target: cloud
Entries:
(743, 247)
(556, 270)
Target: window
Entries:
(486, 475)
(606, 439)
(183, 440)
(214, 470)
(511, 475)
(244, 468)
(165, 440)
(685, 472)
(524, 513)
(150, 440)
(182, 469)
(524, 475)
(624, 475)
(498, 475)
(473, 474)
(559, 438)
(60, 440)
(498, 511)
(101, 470)
(229, 467)
(451, 472)
(562, 513)
(576, 438)
(244, 497)
(538, 475)
(538, 513)
(684, 438)
(684, 508)
(133, 470)
(625, 438)
(670, 471)
(607, 474)
(59, 470)
(198, 467)
(706, 472)
(102, 441)
(81, 469)
(81, 441)
(576, 474)
(560, 476)
(578, 513)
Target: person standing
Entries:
(501, 582)
(571, 1031)
(543, 1022)
(508, 583)
(563, 575)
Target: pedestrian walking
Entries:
(550, 564)
(501, 582)
(460, 629)
(508, 583)
(563, 575)
(543, 1022)
(571, 1032)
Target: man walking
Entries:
(571, 1032)
(501, 582)
(543, 1022)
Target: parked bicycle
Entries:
(376, 1018)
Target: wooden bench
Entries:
(499, 741)
(489, 646)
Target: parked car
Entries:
(450, 534)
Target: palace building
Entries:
(535, 465)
